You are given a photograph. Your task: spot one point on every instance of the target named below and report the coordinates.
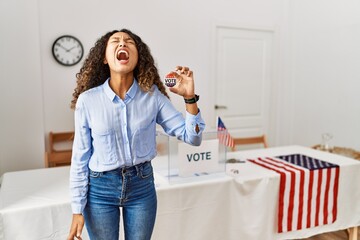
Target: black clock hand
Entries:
(63, 47)
(70, 49)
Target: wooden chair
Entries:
(250, 140)
(60, 151)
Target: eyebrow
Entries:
(126, 39)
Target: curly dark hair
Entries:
(94, 72)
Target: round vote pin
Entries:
(170, 80)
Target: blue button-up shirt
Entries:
(111, 132)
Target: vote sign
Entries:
(198, 160)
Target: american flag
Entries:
(308, 190)
(223, 135)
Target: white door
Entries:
(243, 79)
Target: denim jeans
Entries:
(131, 188)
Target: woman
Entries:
(118, 100)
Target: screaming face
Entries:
(121, 53)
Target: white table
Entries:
(35, 204)
(262, 187)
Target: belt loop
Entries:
(138, 168)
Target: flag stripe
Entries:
(301, 199)
(330, 198)
(291, 200)
(336, 189)
(318, 195)
(326, 198)
(305, 197)
(311, 183)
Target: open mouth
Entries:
(122, 55)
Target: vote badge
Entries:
(170, 80)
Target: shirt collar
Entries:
(133, 89)
(111, 95)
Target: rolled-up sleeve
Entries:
(188, 129)
(81, 152)
(195, 125)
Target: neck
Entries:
(120, 83)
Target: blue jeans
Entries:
(131, 188)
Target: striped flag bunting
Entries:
(223, 134)
(308, 191)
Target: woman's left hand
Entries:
(184, 82)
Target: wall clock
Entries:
(67, 50)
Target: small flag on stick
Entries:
(223, 135)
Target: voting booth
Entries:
(181, 162)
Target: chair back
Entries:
(60, 149)
(250, 140)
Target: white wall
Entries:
(36, 91)
(21, 121)
(325, 71)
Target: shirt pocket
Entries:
(104, 143)
(145, 139)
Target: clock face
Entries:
(67, 50)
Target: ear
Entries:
(105, 61)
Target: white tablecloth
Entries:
(260, 194)
(35, 204)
